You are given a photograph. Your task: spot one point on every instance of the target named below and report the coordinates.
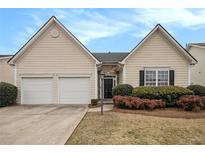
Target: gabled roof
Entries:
(1, 56)
(199, 45)
(169, 37)
(41, 30)
(110, 56)
(5, 56)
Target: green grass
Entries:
(124, 128)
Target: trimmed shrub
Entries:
(118, 101)
(122, 90)
(191, 103)
(203, 97)
(94, 102)
(137, 103)
(167, 93)
(8, 94)
(197, 89)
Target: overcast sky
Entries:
(112, 30)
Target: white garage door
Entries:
(37, 91)
(74, 90)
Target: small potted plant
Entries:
(94, 102)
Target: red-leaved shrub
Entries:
(137, 103)
(191, 103)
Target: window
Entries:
(163, 78)
(156, 77)
(150, 78)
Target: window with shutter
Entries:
(171, 77)
(156, 77)
(141, 77)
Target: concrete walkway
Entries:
(106, 107)
(40, 124)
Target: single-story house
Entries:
(197, 71)
(54, 67)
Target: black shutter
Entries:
(171, 77)
(141, 77)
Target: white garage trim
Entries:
(77, 88)
(58, 90)
(36, 75)
(74, 75)
(48, 90)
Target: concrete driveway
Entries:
(39, 124)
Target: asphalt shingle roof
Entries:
(103, 56)
(110, 56)
(4, 56)
(199, 44)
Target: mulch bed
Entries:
(167, 112)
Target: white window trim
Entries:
(155, 69)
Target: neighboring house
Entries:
(53, 67)
(6, 71)
(198, 71)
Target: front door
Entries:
(108, 85)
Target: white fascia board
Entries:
(197, 46)
(168, 36)
(76, 40)
(42, 29)
(142, 42)
(21, 51)
(177, 45)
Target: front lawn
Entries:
(166, 112)
(124, 128)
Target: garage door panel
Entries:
(74, 90)
(37, 90)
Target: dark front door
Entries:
(108, 84)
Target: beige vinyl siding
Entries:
(157, 51)
(198, 71)
(6, 71)
(56, 57)
(120, 77)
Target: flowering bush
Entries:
(118, 101)
(137, 103)
(191, 103)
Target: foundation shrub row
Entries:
(149, 98)
(137, 103)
